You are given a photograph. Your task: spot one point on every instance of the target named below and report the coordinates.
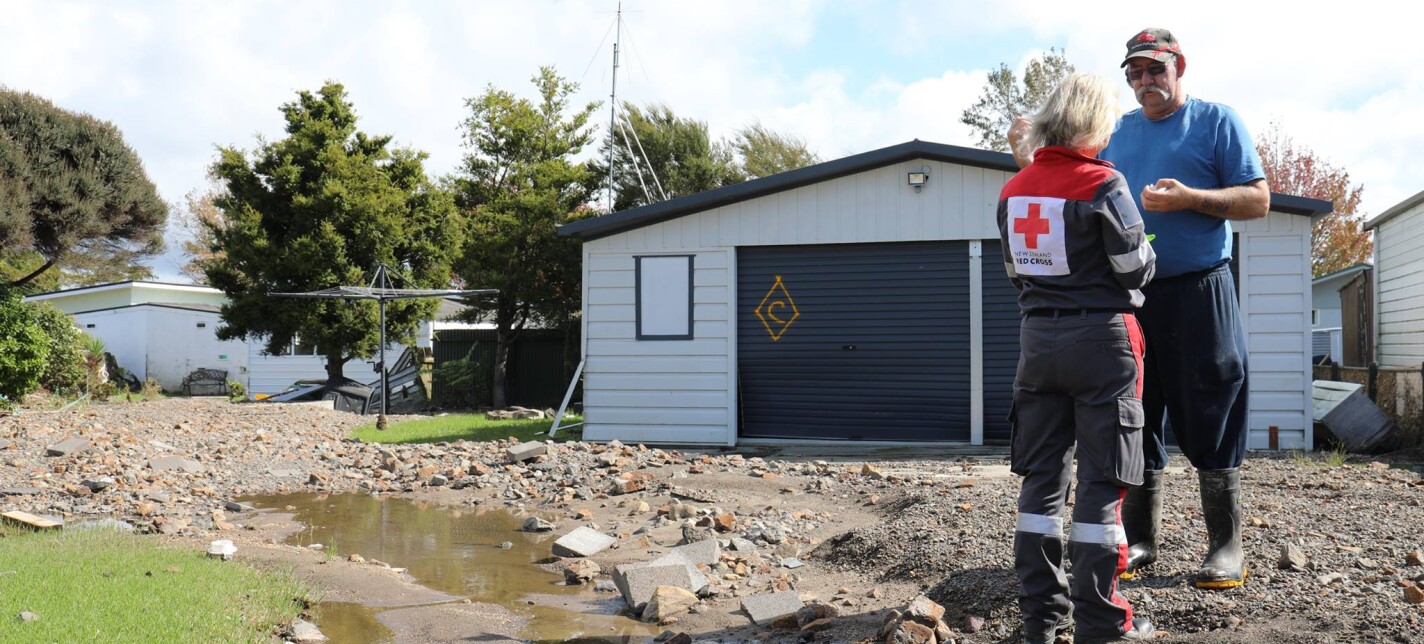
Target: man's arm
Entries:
(1236, 203)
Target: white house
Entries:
(154, 330)
(166, 331)
(1325, 315)
(1399, 283)
(863, 299)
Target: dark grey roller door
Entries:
(854, 341)
(1001, 342)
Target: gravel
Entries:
(944, 525)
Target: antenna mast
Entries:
(613, 105)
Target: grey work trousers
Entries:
(1079, 381)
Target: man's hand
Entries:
(1238, 203)
(1017, 130)
(1166, 195)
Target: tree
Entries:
(24, 348)
(201, 219)
(659, 156)
(764, 152)
(1339, 240)
(322, 208)
(1004, 99)
(74, 191)
(518, 183)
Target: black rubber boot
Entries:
(1141, 630)
(1225, 565)
(1142, 521)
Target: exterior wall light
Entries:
(917, 180)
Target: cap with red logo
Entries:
(1158, 44)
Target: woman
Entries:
(1075, 248)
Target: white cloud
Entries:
(181, 78)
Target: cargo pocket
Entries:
(1014, 433)
(1125, 464)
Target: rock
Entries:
(742, 545)
(506, 545)
(911, 632)
(1414, 558)
(355, 558)
(304, 631)
(791, 562)
(1292, 558)
(1414, 595)
(234, 506)
(21, 490)
(1326, 580)
(98, 484)
(626, 486)
(27, 617)
(871, 471)
(526, 451)
(169, 463)
(438, 480)
(765, 609)
(815, 612)
(581, 571)
(535, 524)
(582, 542)
(925, 611)
(69, 447)
(973, 624)
(667, 602)
(605, 586)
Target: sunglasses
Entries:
(1155, 69)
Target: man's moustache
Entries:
(1142, 91)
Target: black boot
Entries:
(1142, 521)
(1221, 509)
(1139, 630)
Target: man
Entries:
(1198, 170)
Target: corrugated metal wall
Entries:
(854, 341)
(538, 371)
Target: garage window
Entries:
(664, 297)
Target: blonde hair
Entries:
(1080, 114)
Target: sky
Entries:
(181, 78)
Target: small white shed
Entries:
(863, 299)
(1399, 283)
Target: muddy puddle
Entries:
(456, 551)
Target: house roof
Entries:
(1341, 274)
(626, 220)
(182, 306)
(114, 286)
(1395, 210)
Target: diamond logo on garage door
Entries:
(777, 310)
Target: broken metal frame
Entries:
(381, 290)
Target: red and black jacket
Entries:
(1072, 235)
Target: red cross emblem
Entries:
(1032, 226)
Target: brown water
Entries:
(454, 550)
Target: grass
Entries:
(112, 586)
(1335, 456)
(469, 427)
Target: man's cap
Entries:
(1158, 44)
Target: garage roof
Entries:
(611, 224)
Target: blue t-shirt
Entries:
(1203, 145)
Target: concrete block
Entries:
(765, 609)
(582, 542)
(526, 451)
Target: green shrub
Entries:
(66, 370)
(236, 391)
(466, 382)
(151, 388)
(24, 348)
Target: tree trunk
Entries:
(334, 365)
(38, 271)
(504, 339)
